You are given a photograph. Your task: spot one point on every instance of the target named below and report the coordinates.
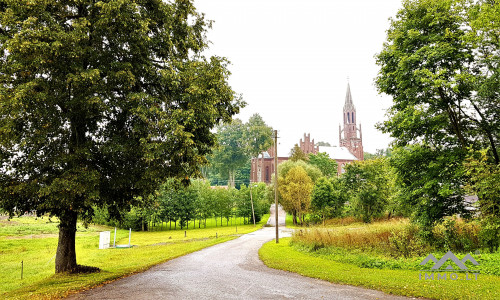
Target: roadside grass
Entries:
(354, 235)
(284, 256)
(36, 247)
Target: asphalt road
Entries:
(230, 270)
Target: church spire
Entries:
(348, 105)
(350, 140)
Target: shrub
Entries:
(406, 242)
(456, 235)
(490, 233)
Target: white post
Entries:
(129, 235)
(114, 240)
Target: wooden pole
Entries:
(251, 200)
(276, 182)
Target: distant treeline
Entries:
(175, 205)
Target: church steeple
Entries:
(348, 105)
(350, 139)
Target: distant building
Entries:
(307, 146)
(350, 146)
(351, 140)
(262, 167)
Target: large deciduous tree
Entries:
(441, 66)
(238, 142)
(100, 102)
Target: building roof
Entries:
(337, 152)
(348, 105)
(265, 154)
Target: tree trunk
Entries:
(66, 255)
(294, 215)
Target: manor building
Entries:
(350, 146)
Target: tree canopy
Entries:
(238, 143)
(101, 102)
(324, 163)
(440, 64)
(295, 188)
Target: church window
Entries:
(348, 118)
(352, 117)
(267, 174)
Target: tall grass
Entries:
(373, 237)
(395, 237)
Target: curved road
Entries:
(230, 270)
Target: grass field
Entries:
(283, 256)
(34, 241)
(347, 251)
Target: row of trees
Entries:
(177, 204)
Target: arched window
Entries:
(348, 118)
(352, 117)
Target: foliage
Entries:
(238, 142)
(197, 202)
(325, 164)
(369, 186)
(328, 198)
(297, 154)
(259, 135)
(484, 182)
(259, 198)
(429, 67)
(456, 235)
(101, 102)
(440, 65)
(231, 153)
(431, 183)
(312, 171)
(295, 189)
(406, 242)
(321, 143)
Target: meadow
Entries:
(31, 243)
(347, 251)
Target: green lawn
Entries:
(35, 241)
(400, 282)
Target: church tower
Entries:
(350, 139)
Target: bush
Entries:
(406, 242)
(490, 233)
(456, 235)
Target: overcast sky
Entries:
(291, 60)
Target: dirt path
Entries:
(231, 270)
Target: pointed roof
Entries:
(348, 105)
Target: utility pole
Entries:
(251, 200)
(276, 182)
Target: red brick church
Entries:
(350, 146)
